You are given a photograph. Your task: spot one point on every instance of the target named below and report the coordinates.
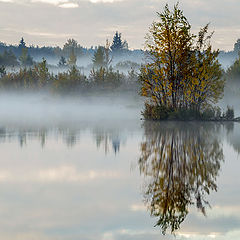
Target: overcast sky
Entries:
(90, 22)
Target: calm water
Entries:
(115, 179)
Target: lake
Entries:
(91, 169)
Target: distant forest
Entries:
(22, 54)
(74, 68)
(25, 55)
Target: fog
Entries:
(231, 95)
(38, 109)
(48, 110)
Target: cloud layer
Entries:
(92, 21)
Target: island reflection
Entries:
(180, 162)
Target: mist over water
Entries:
(48, 110)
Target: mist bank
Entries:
(37, 110)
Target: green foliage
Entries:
(72, 58)
(25, 59)
(26, 78)
(155, 112)
(118, 45)
(233, 72)
(237, 46)
(72, 46)
(105, 78)
(70, 81)
(38, 77)
(62, 62)
(99, 58)
(22, 43)
(42, 73)
(8, 59)
(208, 114)
(229, 115)
(2, 71)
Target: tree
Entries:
(25, 59)
(72, 80)
(72, 46)
(99, 57)
(183, 72)
(2, 71)
(22, 43)
(229, 113)
(233, 72)
(42, 72)
(72, 58)
(62, 62)
(118, 45)
(237, 46)
(8, 58)
(108, 59)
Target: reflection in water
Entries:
(233, 136)
(106, 138)
(55, 190)
(181, 162)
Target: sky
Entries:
(91, 22)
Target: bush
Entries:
(107, 78)
(2, 71)
(154, 112)
(72, 81)
(229, 115)
(208, 114)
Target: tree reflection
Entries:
(233, 135)
(107, 139)
(181, 162)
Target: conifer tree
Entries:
(62, 62)
(99, 57)
(118, 45)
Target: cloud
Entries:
(105, 1)
(54, 2)
(96, 20)
(59, 174)
(59, 3)
(138, 208)
(69, 5)
(71, 174)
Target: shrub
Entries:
(156, 112)
(229, 115)
(107, 78)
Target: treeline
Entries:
(73, 80)
(233, 72)
(11, 55)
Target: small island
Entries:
(183, 79)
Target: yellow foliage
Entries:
(184, 71)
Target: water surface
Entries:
(108, 175)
